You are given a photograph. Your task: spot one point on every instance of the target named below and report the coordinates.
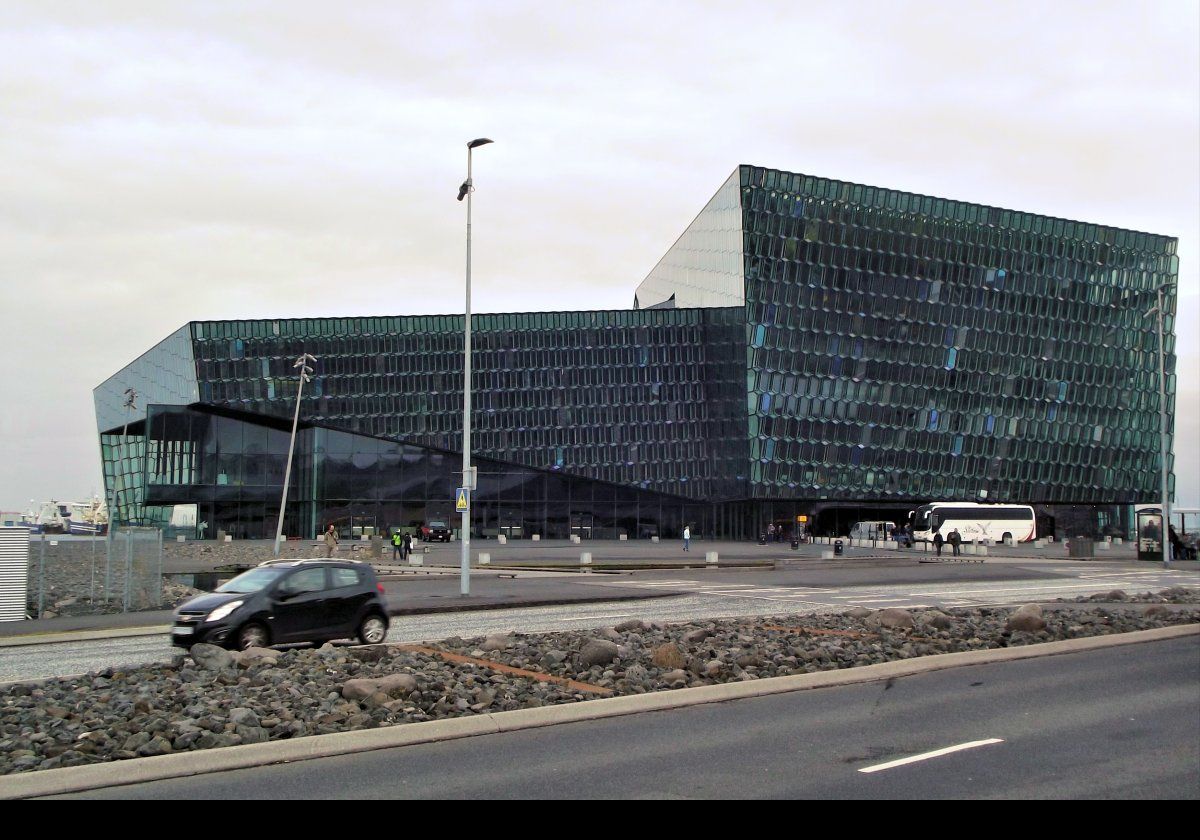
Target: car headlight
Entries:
(223, 610)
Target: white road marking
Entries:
(925, 756)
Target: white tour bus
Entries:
(974, 521)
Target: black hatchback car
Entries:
(280, 602)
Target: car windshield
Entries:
(254, 580)
(437, 524)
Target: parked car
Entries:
(436, 530)
(280, 602)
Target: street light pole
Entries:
(305, 376)
(467, 188)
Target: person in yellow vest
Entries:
(397, 546)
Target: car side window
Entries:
(344, 577)
(305, 580)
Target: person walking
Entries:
(955, 541)
(407, 552)
(397, 546)
(687, 538)
(331, 541)
(938, 542)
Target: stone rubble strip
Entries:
(182, 765)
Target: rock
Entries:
(211, 657)
(257, 656)
(156, 746)
(860, 613)
(1116, 595)
(668, 656)
(675, 678)
(497, 642)
(612, 635)
(243, 717)
(1157, 610)
(630, 626)
(1027, 619)
(696, 636)
(597, 652)
(894, 618)
(393, 685)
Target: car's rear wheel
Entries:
(252, 635)
(373, 629)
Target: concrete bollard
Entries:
(710, 557)
(982, 550)
(1118, 541)
(576, 539)
(623, 538)
(485, 559)
(501, 539)
(181, 538)
(585, 559)
(416, 559)
(1039, 543)
(890, 545)
(654, 539)
(228, 538)
(827, 555)
(537, 537)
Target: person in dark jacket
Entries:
(407, 546)
(938, 542)
(955, 540)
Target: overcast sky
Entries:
(163, 162)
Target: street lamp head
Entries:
(482, 141)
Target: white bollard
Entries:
(890, 545)
(181, 538)
(229, 538)
(575, 539)
(1039, 543)
(623, 537)
(654, 539)
(585, 559)
(416, 560)
(710, 557)
(1118, 541)
(485, 559)
(827, 555)
(537, 537)
(982, 550)
(501, 539)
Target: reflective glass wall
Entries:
(231, 467)
(903, 346)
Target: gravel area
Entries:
(214, 698)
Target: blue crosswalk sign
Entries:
(462, 500)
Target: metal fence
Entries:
(124, 572)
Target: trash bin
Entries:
(762, 539)
(1081, 548)
(837, 547)
(795, 543)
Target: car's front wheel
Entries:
(253, 635)
(373, 629)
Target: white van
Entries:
(871, 530)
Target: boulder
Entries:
(675, 678)
(597, 652)
(630, 626)
(393, 685)
(1027, 619)
(860, 613)
(499, 641)
(212, 658)
(696, 636)
(894, 618)
(668, 656)
(257, 656)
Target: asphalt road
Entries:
(1111, 724)
(710, 595)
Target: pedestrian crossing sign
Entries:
(462, 500)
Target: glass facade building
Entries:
(804, 343)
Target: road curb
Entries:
(193, 763)
(83, 635)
